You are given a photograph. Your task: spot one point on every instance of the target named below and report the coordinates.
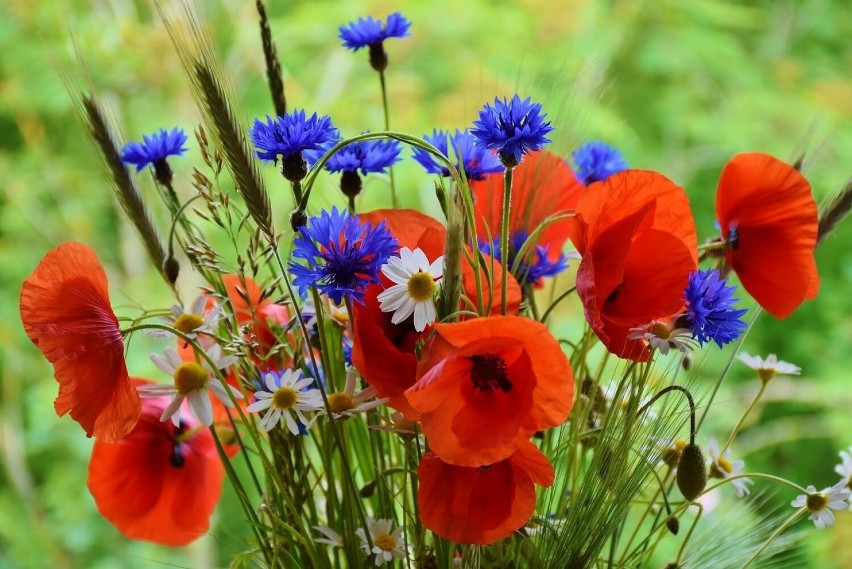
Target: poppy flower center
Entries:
(722, 467)
(733, 238)
(340, 402)
(816, 502)
(489, 373)
(421, 286)
(385, 541)
(284, 398)
(189, 377)
(188, 322)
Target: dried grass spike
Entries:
(273, 65)
(831, 214)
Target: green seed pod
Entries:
(691, 472)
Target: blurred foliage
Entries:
(679, 86)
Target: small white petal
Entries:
(259, 405)
(199, 404)
(173, 408)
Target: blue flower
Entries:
(369, 31)
(710, 312)
(289, 136)
(342, 255)
(512, 128)
(477, 161)
(535, 264)
(155, 149)
(596, 161)
(369, 156)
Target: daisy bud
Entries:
(691, 472)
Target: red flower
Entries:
(542, 185)
(488, 384)
(161, 482)
(769, 222)
(66, 312)
(637, 240)
(383, 352)
(484, 504)
(251, 309)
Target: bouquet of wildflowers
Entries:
(385, 387)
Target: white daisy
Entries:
(820, 504)
(387, 544)
(661, 336)
(285, 394)
(347, 403)
(192, 381)
(770, 367)
(844, 469)
(414, 291)
(722, 467)
(406, 429)
(330, 537)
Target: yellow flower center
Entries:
(672, 454)
(226, 435)
(340, 402)
(766, 374)
(284, 398)
(660, 330)
(721, 468)
(189, 377)
(421, 286)
(386, 541)
(188, 322)
(816, 502)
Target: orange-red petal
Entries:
(771, 206)
(485, 504)
(143, 494)
(66, 312)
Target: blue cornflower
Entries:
(369, 32)
(477, 161)
(153, 151)
(710, 312)
(535, 264)
(512, 128)
(289, 136)
(343, 255)
(596, 161)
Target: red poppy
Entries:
(66, 312)
(488, 384)
(383, 352)
(484, 504)
(637, 240)
(161, 482)
(769, 222)
(542, 185)
(251, 309)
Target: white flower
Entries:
(192, 381)
(285, 394)
(347, 403)
(844, 469)
(723, 467)
(330, 537)
(406, 429)
(770, 367)
(386, 543)
(663, 337)
(820, 504)
(414, 291)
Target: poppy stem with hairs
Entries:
(746, 413)
(504, 237)
(689, 398)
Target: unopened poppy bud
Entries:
(691, 472)
(298, 219)
(171, 268)
(368, 489)
(673, 524)
(671, 565)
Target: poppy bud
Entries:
(691, 472)
(368, 489)
(171, 268)
(673, 524)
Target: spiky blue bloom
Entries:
(535, 264)
(342, 255)
(369, 31)
(512, 128)
(155, 148)
(368, 156)
(596, 161)
(292, 134)
(475, 161)
(710, 312)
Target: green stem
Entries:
(553, 304)
(504, 237)
(387, 127)
(743, 418)
(774, 535)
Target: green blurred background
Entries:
(679, 86)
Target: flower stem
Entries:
(774, 535)
(743, 418)
(387, 127)
(504, 237)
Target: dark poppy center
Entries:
(177, 459)
(489, 373)
(733, 238)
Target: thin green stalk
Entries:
(386, 109)
(553, 304)
(774, 535)
(743, 418)
(504, 237)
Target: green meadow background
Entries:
(679, 86)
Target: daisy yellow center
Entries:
(284, 398)
(385, 541)
(340, 402)
(660, 331)
(722, 467)
(188, 322)
(766, 374)
(421, 286)
(189, 377)
(816, 502)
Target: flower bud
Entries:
(691, 472)
(673, 524)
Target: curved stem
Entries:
(688, 396)
(774, 535)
